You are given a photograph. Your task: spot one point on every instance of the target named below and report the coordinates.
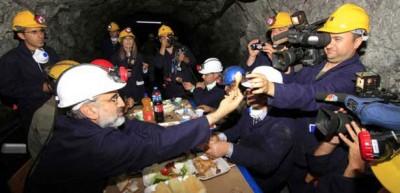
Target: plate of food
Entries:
(187, 184)
(208, 168)
(165, 171)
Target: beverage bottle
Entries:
(158, 105)
(147, 110)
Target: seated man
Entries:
(262, 141)
(208, 94)
(86, 148)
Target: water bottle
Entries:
(158, 105)
(147, 110)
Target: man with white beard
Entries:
(95, 142)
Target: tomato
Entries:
(164, 171)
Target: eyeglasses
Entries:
(115, 98)
(34, 32)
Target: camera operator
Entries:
(176, 62)
(348, 27)
(261, 53)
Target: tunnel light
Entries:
(149, 22)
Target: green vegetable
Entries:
(160, 178)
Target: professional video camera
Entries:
(305, 44)
(378, 110)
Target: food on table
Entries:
(189, 184)
(204, 165)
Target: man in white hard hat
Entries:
(86, 148)
(262, 140)
(208, 94)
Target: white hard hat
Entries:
(211, 65)
(84, 82)
(272, 74)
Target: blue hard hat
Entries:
(229, 74)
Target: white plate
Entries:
(222, 165)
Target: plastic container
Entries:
(147, 109)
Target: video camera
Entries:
(377, 109)
(305, 44)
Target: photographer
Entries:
(348, 27)
(257, 57)
(176, 62)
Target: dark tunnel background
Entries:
(185, 33)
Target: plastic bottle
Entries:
(147, 109)
(158, 105)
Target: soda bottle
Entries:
(158, 105)
(147, 110)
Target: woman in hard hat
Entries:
(262, 140)
(129, 57)
(280, 23)
(22, 74)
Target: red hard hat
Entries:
(102, 63)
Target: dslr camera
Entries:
(305, 44)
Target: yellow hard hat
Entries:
(346, 18)
(60, 67)
(281, 19)
(388, 173)
(125, 33)
(112, 27)
(27, 19)
(165, 30)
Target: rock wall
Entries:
(219, 28)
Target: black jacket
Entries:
(172, 70)
(21, 79)
(265, 148)
(135, 84)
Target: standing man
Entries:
(280, 23)
(176, 61)
(87, 148)
(23, 80)
(110, 45)
(348, 27)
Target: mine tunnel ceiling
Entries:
(212, 28)
(193, 19)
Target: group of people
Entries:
(91, 141)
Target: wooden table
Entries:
(230, 182)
